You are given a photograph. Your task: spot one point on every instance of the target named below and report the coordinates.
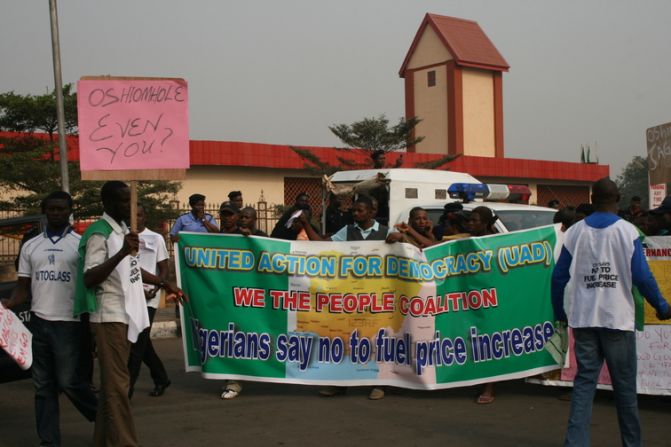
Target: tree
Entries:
(29, 159)
(586, 157)
(633, 181)
(370, 134)
(374, 134)
(438, 163)
(28, 113)
(316, 166)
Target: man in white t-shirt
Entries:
(153, 259)
(602, 258)
(48, 269)
(110, 290)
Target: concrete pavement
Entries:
(192, 414)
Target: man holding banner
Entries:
(365, 227)
(601, 259)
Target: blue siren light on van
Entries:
(492, 192)
(467, 191)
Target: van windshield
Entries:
(515, 220)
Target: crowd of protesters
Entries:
(101, 282)
(653, 222)
(91, 275)
(360, 222)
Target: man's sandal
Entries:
(229, 394)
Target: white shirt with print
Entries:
(601, 295)
(152, 251)
(51, 265)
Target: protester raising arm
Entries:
(418, 233)
(302, 221)
(196, 220)
(209, 223)
(408, 234)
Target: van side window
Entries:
(411, 193)
(441, 194)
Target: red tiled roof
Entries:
(275, 156)
(230, 153)
(464, 39)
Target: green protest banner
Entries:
(363, 313)
(499, 292)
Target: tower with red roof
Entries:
(453, 83)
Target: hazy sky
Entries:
(582, 72)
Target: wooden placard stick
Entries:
(133, 209)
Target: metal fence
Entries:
(10, 242)
(267, 216)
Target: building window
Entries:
(431, 78)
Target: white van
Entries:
(399, 190)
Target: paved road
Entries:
(191, 414)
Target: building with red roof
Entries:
(453, 82)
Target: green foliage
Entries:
(586, 157)
(374, 134)
(156, 196)
(29, 113)
(316, 166)
(633, 181)
(313, 164)
(371, 134)
(30, 167)
(437, 164)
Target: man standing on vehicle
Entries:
(48, 269)
(602, 258)
(379, 159)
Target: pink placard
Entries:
(15, 339)
(133, 124)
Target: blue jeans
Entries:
(56, 348)
(618, 348)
